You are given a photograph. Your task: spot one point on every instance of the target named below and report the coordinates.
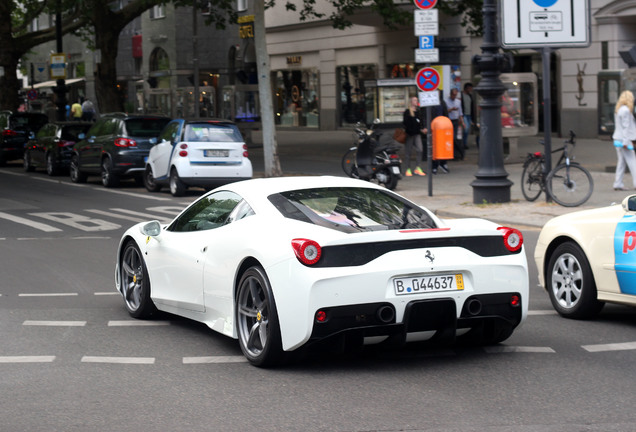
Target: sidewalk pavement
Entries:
(452, 194)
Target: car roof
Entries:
(125, 116)
(207, 120)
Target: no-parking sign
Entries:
(427, 79)
(425, 4)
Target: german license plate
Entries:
(216, 153)
(428, 284)
(396, 170)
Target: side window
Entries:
(209, 212)
(97, 129)
(169, 133)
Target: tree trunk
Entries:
(270, 148)
(108, 96)
(9, 83)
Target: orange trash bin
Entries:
(442, 129)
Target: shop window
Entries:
(297, 100)
(355, 102)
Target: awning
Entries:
(49, 84)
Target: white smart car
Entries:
(282, 263)
(203, 153)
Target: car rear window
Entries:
(352, 209)
(145, 127)
(28, 122)
(210, 132)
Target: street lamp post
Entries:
(491, 184)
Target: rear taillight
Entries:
(125, 142)
(307, 251)
(65, 143)
(9, 133)
(245, 154)
(184, 150)
(513, 239)
(394, 156)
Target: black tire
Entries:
(349, 163)
(531, 179)
(77, 176)
(387, 178)
(177, 187)
(51, 167)
(109, 179)
(27, 163)
(135, 282)
(258, 328)
(488, 333)
(149, 181)
(570, 283)
(570, 186)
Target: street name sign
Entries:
(545, 23)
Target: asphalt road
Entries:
(71, 358)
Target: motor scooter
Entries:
(369, 160)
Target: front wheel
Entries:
(570, 185)
(135, 283)
(349, 163)
(26, 162)
(257, 319)
(387, 178)
(532, 179)
(51, 167)
(570, 283)
(149, 181)
(177, 187)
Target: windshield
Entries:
(352, 209)
(145, 127)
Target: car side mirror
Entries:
(31, 135)
(153, 140)
(151, 229)
(629, 203)
(81, 136)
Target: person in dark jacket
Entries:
(414, 127)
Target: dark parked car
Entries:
(116, 147)
(15, 128)
(52, 146)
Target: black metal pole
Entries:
(60, 89)
(491, 184)
(547, 116)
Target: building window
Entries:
(356, 100)
(157, 12)
(297, 102)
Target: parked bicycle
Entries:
(568, 183)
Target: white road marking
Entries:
(32, 224)
(610, 347)
(133, 194)
(517, 349)
(47, 294)
(138, 217)
(214, 359)
(55, 323)
(77, 221)
(542, 312)
(118, 360)
(107, 293)
(27, 359)
(137, 323)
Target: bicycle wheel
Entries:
(531, 179)
(570, 185)
(349, 163)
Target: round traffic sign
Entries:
(425, 4)
(32, 94)
(427, 79)
(545, 3)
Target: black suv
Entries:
(116, 147)
(15, 128)
(52, 146)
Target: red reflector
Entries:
(394, 156)
(321, 316)
(183, 153)
(515, 300)
(538, 154)
(183, 146)
(307, 251)
(125, 142)
(513, 239)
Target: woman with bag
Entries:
(624, 135)
(413, 126)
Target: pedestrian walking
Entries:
(624, 136)
(468, 108)
(88, 110)
(455, 115)
(414, 127)
(76, 111)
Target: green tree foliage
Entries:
(470, 11)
